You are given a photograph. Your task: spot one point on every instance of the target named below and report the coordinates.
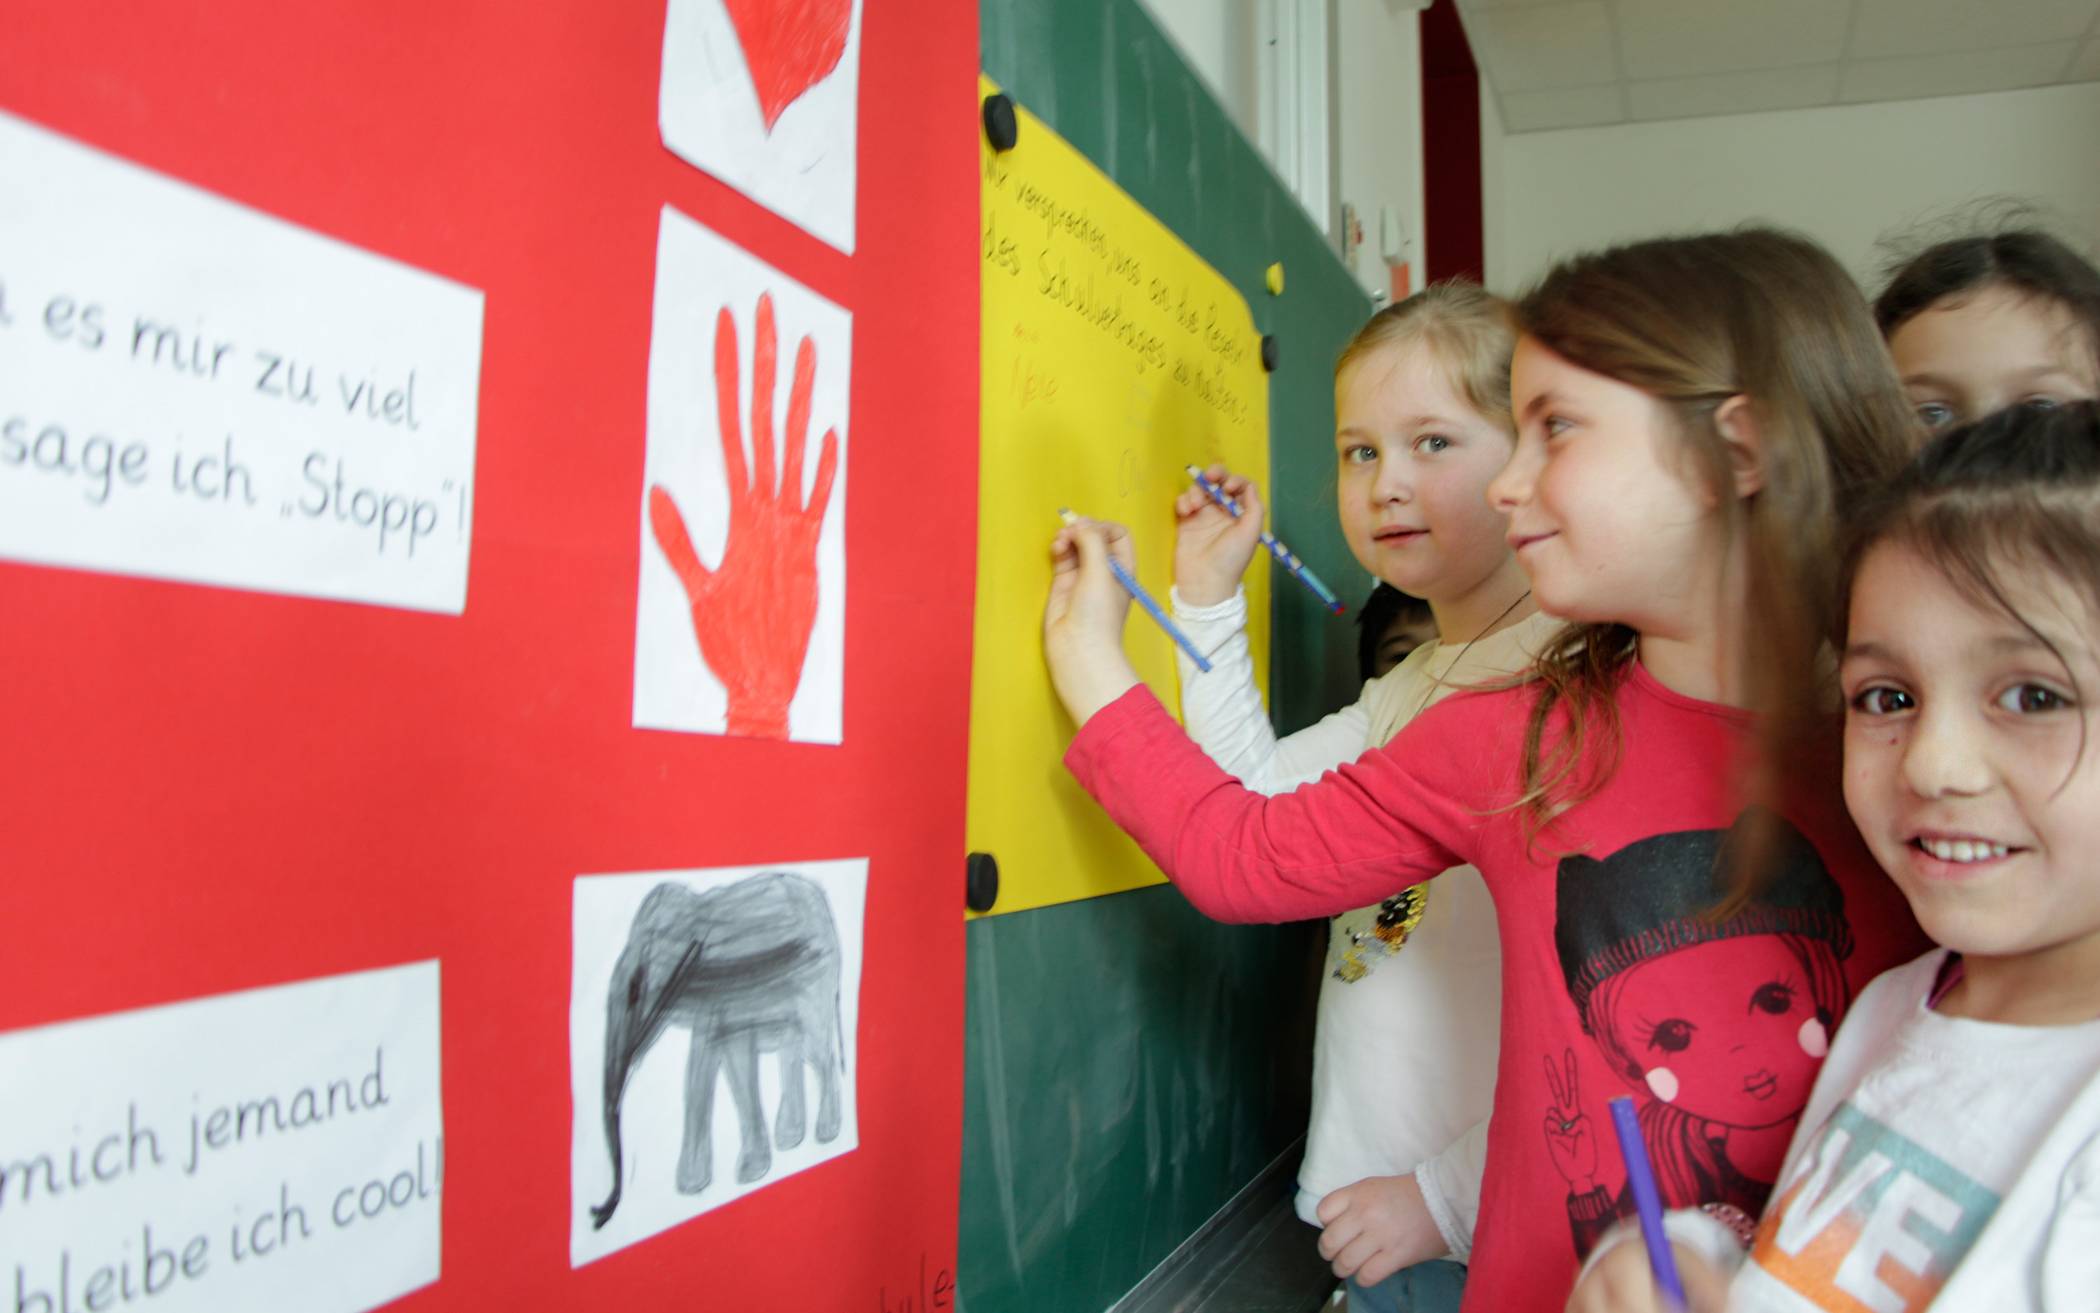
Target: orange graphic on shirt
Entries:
(1828, 1267)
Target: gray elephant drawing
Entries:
(748, 968)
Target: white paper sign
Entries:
(193, 390)
(765, 95)
(736, 635)
(280, 1148)
(731, 996)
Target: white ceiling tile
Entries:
(1922, 27)
(1732, 93)
(1566, 45)
(1572, 107)
(2086, 68)
(1953, 74)
(1681, 38)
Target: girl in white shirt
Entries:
(1404, 1051)
(1950, 1153)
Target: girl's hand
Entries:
(1621, 1282)
(1083, 620)
(1212, 549)
(1377, 1226)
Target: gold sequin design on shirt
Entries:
(1376, 935)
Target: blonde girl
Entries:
(1404, 1049)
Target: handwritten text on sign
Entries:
(192, 390)
(276, 1149)
(1113, 358)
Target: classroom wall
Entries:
(1130, 1066)
(300, 807)
(1378, 85)
(1377, 91)
(1218, 41)
(1846, 175)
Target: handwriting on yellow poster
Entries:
(1113, 358)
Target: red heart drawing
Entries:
(789, 46)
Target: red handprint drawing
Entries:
(753, 612)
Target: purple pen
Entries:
(1647, 1202)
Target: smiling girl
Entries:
(1950, 1152)
(1690, 415)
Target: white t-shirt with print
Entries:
(1941, 1161)
(1411, 1000)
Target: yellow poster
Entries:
(1113, 359)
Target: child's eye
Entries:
(2032, 699)
(2039, 402)
(1555, 425)
(1881, 700)
(1359, 453)
(1431, 443)
(1934, 415)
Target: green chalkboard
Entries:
(1129, 1064)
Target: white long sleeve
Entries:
(1450, 1182)
(1386, 1096)
(1223, 710)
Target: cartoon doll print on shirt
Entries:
(1717, 1027)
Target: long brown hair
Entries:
(1695, 321)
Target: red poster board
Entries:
(209, 790)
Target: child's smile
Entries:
(1966, 761)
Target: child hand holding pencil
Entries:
(1212, 547)
(1659, 1275)
(1622, 1281)
(1083, 620)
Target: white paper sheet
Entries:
(729, 63)
(194, 390)
(698, 276)
(275, 1149)
(736, 921)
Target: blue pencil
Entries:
(1647, 1202)
(1144, 599)
(1283, 554)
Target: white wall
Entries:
(1376, 83)
(1378, 87)
(1845, 175)
(1217, 37)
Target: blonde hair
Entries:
(1694, 322)
(1469, 330)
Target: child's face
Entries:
(1726, 1030)
(1963, 767)
(1408, 631)
(1964, 356)
(1600, 515)
(1414, 463)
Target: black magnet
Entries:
(1000, 126)
(1268, 353)
(980, 881)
